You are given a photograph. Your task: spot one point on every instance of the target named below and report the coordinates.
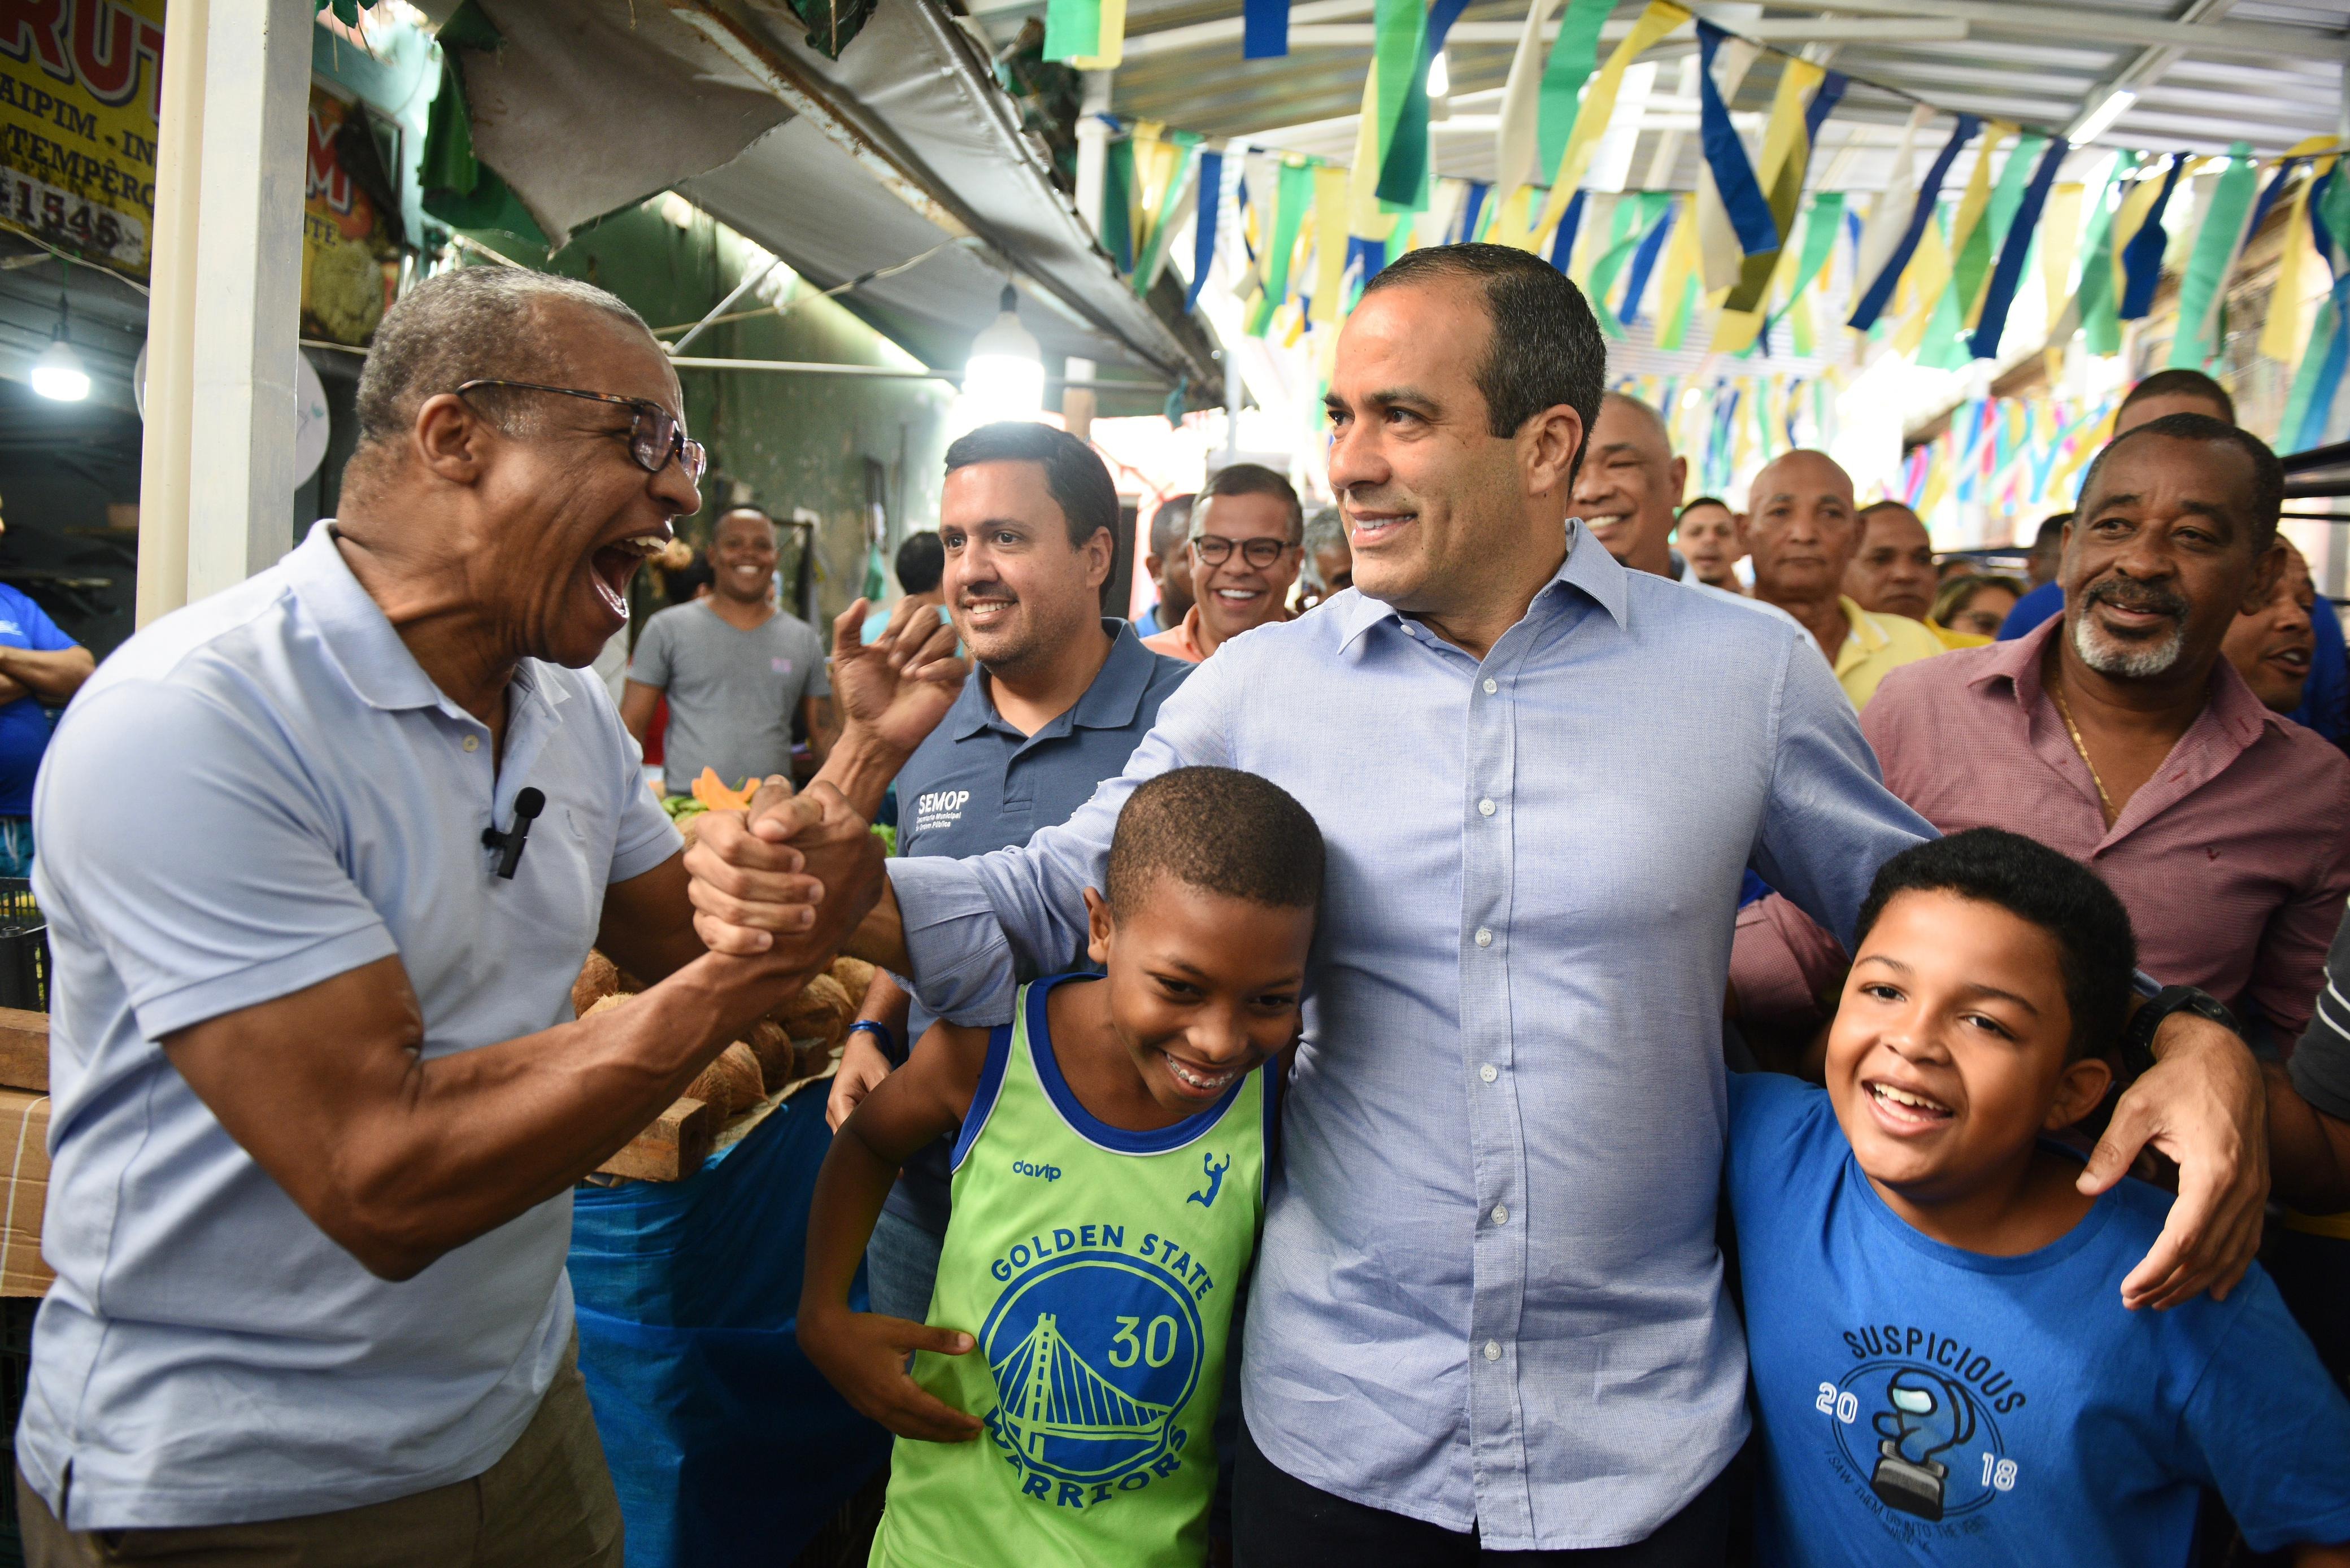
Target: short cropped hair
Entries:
(2267, 474)
(1218, 830)
(2051, 527)
(1888, 503)
(2095, 951)
(921, 561)
(1253, 479)
(1170, 525)
(1077, 478)
(1545, 349)
(1705, 500)
(472, 324)
(2184, 383)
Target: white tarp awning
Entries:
(842, 167)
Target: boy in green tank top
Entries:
(1109, 1167)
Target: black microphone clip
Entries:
(509, 844)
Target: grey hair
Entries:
(476, 323)
(1324, 529)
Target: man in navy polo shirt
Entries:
(1061, 697)
(41, 668)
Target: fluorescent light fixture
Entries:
(1005, 377)
(58, 373)
(1440, 77)
(2100, 120)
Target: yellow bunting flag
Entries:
(2059, 237)
(1599, 108)
(1111, 47)
(1929, 275)
(2131, 217)
(2282, 336)
(1329, 244)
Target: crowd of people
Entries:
(1482, 1033)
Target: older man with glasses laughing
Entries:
(319, 1098)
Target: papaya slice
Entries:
(712, 792)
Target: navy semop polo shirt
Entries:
(978, 785)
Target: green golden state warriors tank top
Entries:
(1097, 1268)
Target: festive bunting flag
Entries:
(1264, 25)
(1734, 219)
(1992, 319)
(1471, 212)
(1643, 260)
(1163, 162)
(2007, 195)
(2140, 246)
(1539, 101)
(1292, 197)
(2280, 333)
(1561, 245)
(2218, 243)
(1970, 237)
(1635, 218)
(1928, 279)
(1403, 175)
(1677, 292)
(1330, 246)
(1660, 17)
(1805, 95)
(1088, 34)
(1118, 203)
(1204, 236)
(2098, 303)
(1820, 228)
(2060, 241)
(1890, 214)
(1873, 298)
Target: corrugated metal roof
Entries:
(2271, 76)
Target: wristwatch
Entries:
(882, 1032)
(2138, 1035)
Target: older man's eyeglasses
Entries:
(1215, 549)
(654, 437)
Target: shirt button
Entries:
(1489, 1072)
(1484, 938)
(1485, 809)
(1493, 1350)
(1491, 686)
(1501, 1213)
(473, 743)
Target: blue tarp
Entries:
(725, 1445)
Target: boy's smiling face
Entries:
(1947, 1059)
(1202, 986)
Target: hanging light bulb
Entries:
(58, 372)
(1440, 77)
(1004, 377)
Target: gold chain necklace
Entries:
(2065, 711)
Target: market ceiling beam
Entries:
(1876, 30)
(2099, 113)
(2254, 40)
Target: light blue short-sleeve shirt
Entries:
(255, 795)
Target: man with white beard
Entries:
(2120, 734)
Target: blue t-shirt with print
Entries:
(24, 727)
(1922, 1403)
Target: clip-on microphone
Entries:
(509, 844)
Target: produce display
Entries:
(800, 1040)
(710, 794)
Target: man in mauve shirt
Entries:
(2119, 734)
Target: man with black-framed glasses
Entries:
(1247, 536)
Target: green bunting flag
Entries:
(1573, 56)
(1634, 219)
(2217, 245)
(1399, 32)
(2100, 311)
(1292, 198)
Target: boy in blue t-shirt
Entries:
(1944, 1372)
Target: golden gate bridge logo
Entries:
(1095, 1354)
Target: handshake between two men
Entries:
(796, 878)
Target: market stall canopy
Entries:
(904, 148)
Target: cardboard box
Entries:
(25, 1157)
(24, 1049)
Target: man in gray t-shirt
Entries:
(735, 669)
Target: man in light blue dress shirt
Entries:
(1488, 1316)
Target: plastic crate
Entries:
(23, 948)
(16, 1368)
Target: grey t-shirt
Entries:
(731, 694)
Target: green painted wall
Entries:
(783, 443)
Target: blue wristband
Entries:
(880, 1032)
